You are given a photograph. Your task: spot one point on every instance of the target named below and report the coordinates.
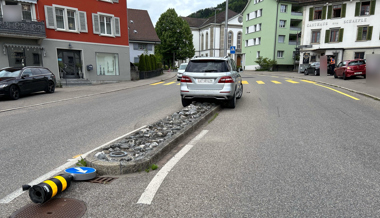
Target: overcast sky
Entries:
(183, 7)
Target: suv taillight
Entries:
(186, 79)
(226, 79)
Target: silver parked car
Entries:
(213, 78)
(181, 70)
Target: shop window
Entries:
(317, 13)
(359, 55)
(107, 64)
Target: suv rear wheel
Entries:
(232, 103)
(186, 102)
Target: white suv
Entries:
(213, 78)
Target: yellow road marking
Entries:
(156, 83)
(245, 82)
(169, 83)
(76, 156)
(275, 76)
(178, 84)
(291, 81)
(275, 82)
(260, 82)
(338, 92)
(307, 81)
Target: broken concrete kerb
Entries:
(137, 151)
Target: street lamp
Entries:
(216, 9)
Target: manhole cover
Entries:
(56, 207)
(102, 180)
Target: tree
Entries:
(176, 37)
(265, 63)
(153, 62)
(148, 65)
(142, 63)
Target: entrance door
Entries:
(69, 62)
(238, 61)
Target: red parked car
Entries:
(350, 68)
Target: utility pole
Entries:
(226, 30)
(216, 9)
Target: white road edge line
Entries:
(154, 185)
(7, 199)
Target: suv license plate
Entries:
(358, 73)
(205, 80)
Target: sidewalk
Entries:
(75, 92)
(357, 85)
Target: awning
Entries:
(23, 46)
(28, 1)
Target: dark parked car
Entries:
(351, 68)
(16, 81)
(313, 68)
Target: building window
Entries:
(317, 13)
(230, 38)
(364, 9)
(257, 54)
(281, 38)
(315, 36)
(364, 33)
(26, 12)
(313, 58)
(280, 54)
(105, 25)
(107, 64)
(337, 11)
(206, 41)
(258, 41)
(136, 60)
(258, 27)
(334, 34)
(71, 19)
(142, 47)
(359, 55)
(246, 43)
(239, 38)
(248, 16)
(247, 30)
(202, 42)
(59, 18)
(282, 23)
(283, 8)
(260, 13)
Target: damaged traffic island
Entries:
(137, 151)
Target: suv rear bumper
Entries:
(210, 94)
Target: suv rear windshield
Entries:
(207, 66)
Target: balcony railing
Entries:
(294, 42)
(296, 13)
(23, 29)
(295, 28)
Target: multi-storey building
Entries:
(271, 29)
(208, 35)
(87, 39)
(142, 35)
(342, 29)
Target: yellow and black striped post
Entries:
(49, 188)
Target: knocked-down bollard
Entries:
(47, 189)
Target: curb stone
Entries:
(341, 87)
(119, 168)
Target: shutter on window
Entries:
(344, 10)
(96, 23)
(311, 13)
(340, 37)
(49, 17)
(116, 1)
(83, 21)
(372, 9)
(150, 47)
(357, 9)
(327, 36)
(329, 12)
(135, 46)
(369, 34)
(323, 12)
(117, 26)
(360, 32)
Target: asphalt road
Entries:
(36, 140)
(286, 150)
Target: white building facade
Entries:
(208, 36)
(345, 30)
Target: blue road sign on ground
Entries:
(232, 49)
(82, 173)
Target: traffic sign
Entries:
(232, 49)
(82, 173)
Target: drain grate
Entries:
(56, 207)
(102, 180)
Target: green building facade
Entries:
(271, 29)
